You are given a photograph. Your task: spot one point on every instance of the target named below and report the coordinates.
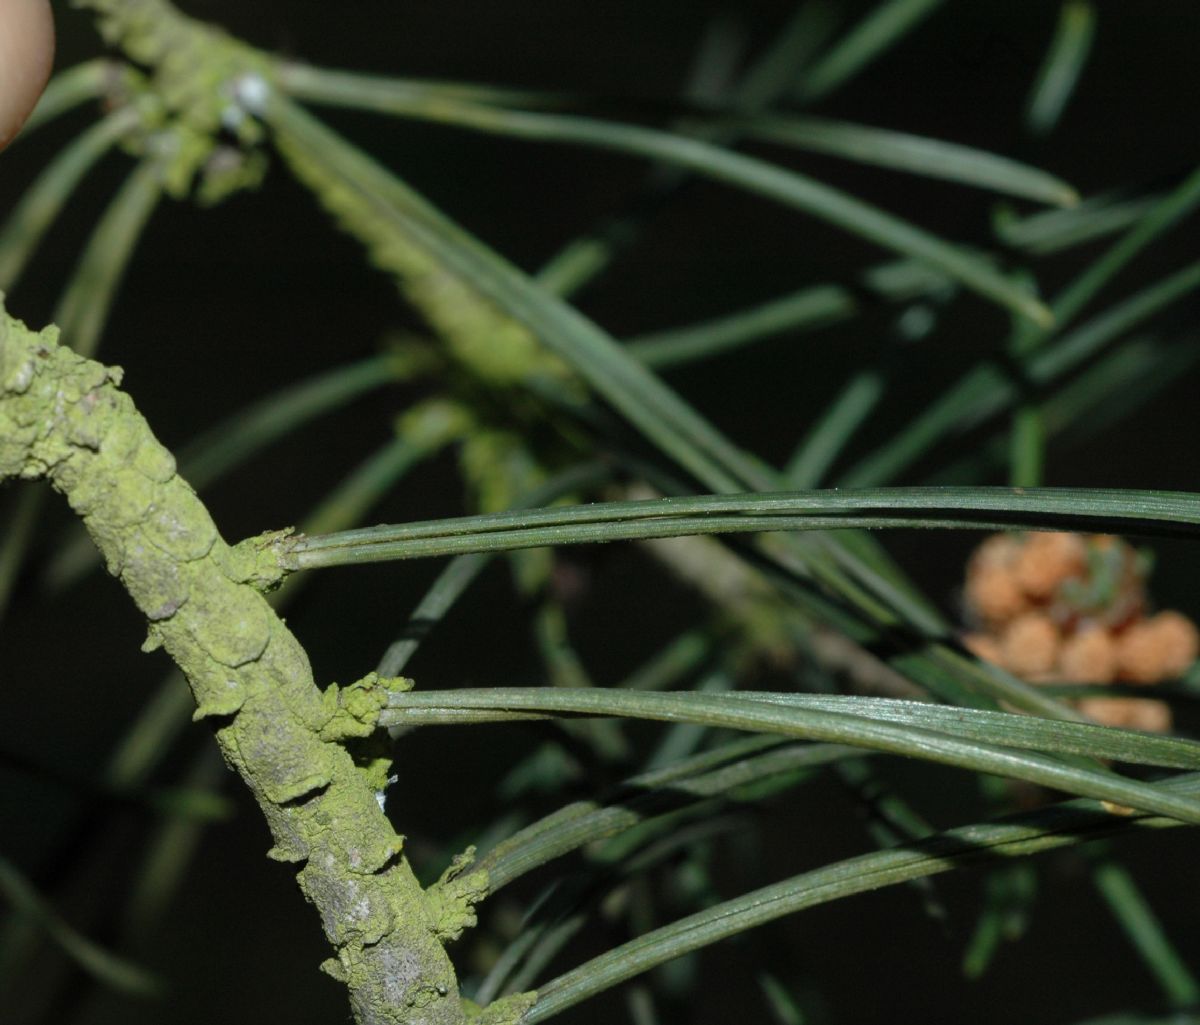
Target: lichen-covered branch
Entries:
(64, 418)
(197, 100)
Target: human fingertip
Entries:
(26, 58)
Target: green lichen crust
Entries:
(64, 418)
(507, 1010)
(454, 896)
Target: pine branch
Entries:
(64, 418)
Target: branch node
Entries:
(353, 711)
(507, 1010)
(258, 561)
(453, 897)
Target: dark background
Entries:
(222, 305)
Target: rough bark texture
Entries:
(64, 418)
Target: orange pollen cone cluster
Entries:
(1069, 608)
